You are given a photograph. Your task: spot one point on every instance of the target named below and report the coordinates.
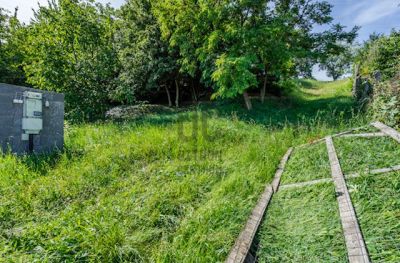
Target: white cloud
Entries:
(355, 8)
(375, 10)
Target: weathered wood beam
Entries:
(365, 135)
(240, 251)
(356, 249)
(351, 175)
(376, 171)
(387, 130)
(303, 184)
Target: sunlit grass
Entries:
(377, 202)
(303, 225)
(359, 154)
(138, 191)
(306, 164)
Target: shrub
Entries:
(385, 104)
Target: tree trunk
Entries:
(194, 94)
(263, 89)
(356, 79)
(247, 100)
(177, 94)
(168, 96)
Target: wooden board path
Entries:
(240, 251)
(356, 249)
(351, 175)
(355, 244)
(387, 130)
(365, 135)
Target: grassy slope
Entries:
(359, 154)
(377, 203)
(303, 225)
(141, 192)
(306, 164)
(375, 197)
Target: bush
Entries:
(385, 104)
(379, 77)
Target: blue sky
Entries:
(378, 16)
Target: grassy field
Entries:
(377, 202)
(303, 225)
(141, 191)
(306, 164)
(360, 154)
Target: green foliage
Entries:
(338, 65)
(233, 75)
(381, 56)
(146, 62)
(386, 102)
(139, 192)
(70, 49)
(11, 55)
(380, 53)
(212, 36)
(100, 57)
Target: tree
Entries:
(12, 35)
(338, 65)
(147, 63)
(256, 40)
(70, 49)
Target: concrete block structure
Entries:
(31, 120)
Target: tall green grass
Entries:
(303, 225)
(377, 202)
(139, 191)
(306, 164)
(360, 154)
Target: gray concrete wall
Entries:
(52, 135)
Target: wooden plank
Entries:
(387, 130)
(278, 174)
(241, 248)
(335, 135)
(303, 184)
(242, 245)
(356, 249)
(365, 135)
(310, 143)
(351, 175)
(376, 171)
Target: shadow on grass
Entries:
(42, 163)
(276, 113)
(297, 109)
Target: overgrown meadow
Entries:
(157, 189)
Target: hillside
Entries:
(140, 191)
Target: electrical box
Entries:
(32, 121)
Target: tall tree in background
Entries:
(99, 57)
(338, 52)
(238, 45)
(70, 49)
(12, 36)
(147, 62)
(338, 65)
